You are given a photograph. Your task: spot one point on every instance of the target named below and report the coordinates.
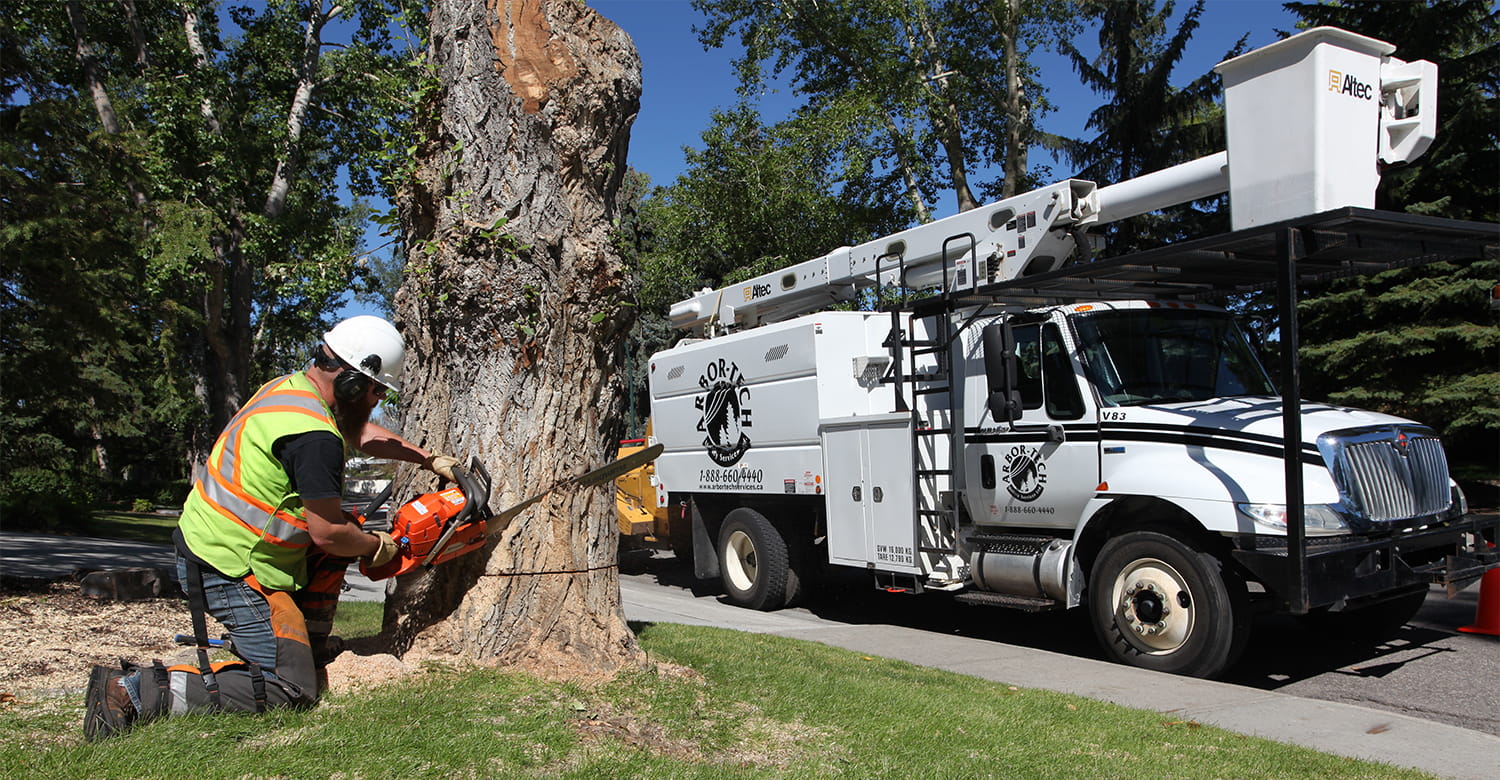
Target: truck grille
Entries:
(1396, 477)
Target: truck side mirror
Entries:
(1000, 372)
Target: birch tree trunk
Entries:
(511, 308)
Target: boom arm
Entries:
(1024, 234)
(1308, 120)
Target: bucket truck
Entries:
(1021, 425)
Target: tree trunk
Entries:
(511, 308)
(1017, 118)
(84, 52)
(302, 98)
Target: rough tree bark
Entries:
(511, 308)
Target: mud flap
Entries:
(705, 554)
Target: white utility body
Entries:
(1042, 451)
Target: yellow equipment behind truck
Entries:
(641, 509)
(635, 499)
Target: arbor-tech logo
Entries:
(725, 406)
(1347, 84)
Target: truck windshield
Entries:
(1146, 356)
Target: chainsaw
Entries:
(437, 527)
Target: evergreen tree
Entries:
(1146, 124)
(1422, 342)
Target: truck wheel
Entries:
(753, 560)
(1377, 621)
(1160, 604)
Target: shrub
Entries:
(39, 497)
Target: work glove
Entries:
(442, 465)
(385, 552)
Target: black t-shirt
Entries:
(315, 463)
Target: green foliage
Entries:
(752, 200)
(755, 198)
(917, 89)
(1423, 343)
(152, 274)
(1146, 124)
(723, 704)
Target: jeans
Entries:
(242, 611)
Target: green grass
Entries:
(356, 619)
(754, 706)
(114, 524)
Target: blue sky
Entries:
(682, 83)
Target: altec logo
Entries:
(753, 291)
(1347, 84)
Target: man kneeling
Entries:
(263, 542)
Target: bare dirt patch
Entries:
(51, 634)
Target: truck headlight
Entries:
(1460, 505)
(1317, 519)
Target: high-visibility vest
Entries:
(242, 516)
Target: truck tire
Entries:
(753, 560)
(1161, 604)
(1377, 621)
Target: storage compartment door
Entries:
(845, 450)
(868, 465)
(890, 498)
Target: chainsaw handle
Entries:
(368, 522)
(476, 490)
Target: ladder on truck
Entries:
(937, 441)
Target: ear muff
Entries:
(349, 385)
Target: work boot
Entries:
(108, 710)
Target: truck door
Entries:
(1041, 469)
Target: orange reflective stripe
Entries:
(287, 621)
(281, 528)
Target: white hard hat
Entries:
(372, 346)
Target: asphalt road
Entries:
(1427, 670)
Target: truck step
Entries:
(914, 378)
(1023, 603)
(1016, 544)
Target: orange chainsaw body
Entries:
(420, 523)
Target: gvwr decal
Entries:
(725, 409)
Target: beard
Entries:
(351, 417)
